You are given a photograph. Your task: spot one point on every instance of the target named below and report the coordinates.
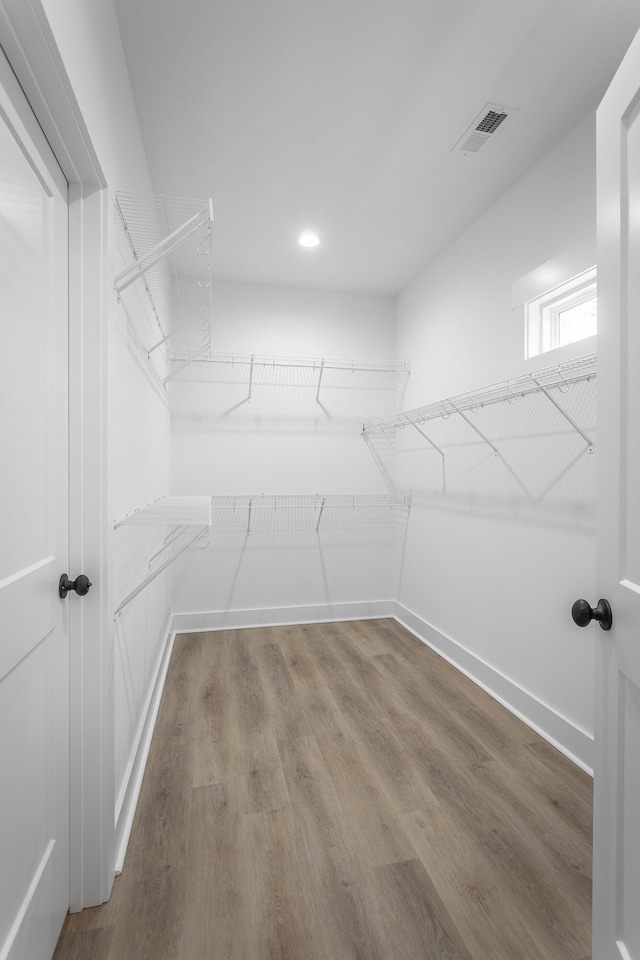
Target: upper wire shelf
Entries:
(323, 371)
(169, 248)
(550, 381)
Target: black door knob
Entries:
(583, 613)
(81, 585)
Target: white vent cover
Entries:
(484, 129)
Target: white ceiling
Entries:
(340, 116)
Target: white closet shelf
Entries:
(254, 362)
(551, 381)
(167, 511)
(311, 363)
(203, 511)
(297, 501)
(169, 249)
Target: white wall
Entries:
(86, 33)
(490, 574)
(283, 441)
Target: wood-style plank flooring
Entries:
(338, 791)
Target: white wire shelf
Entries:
(257, 368)
(169, 248)
(211, 511)
(550, 381)
(260, 512)
(168, 511)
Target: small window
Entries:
(563, 315)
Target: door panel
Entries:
(616, 913)
(34, 642)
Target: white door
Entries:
(34, 643)
(616, 920)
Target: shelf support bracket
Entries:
(493, 447)
(130, 274)
(324, 500)
(249, 517)
(587, 440)
(176, 330)
(203, 349)
(435, 447)
(251, 376)
(319, 381)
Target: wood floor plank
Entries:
(430, 708)
(478, 897)
(406, 784)
(252, 733)
(285, 710)
(371, 637)
(213, 721)
(313, 797)
(349, 928)
(359, 667)
(374, 836)
(317, 700)
(92, 944)
(212, 925)
(415, 920)
(566, 859)
(355, 683)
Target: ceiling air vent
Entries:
(484, 129)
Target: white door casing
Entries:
(34, 641)
(616, 916)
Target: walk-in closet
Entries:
(319, 572)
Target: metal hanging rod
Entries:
(163, 566)
(558, 378)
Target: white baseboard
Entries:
(280, 616)
(574, 743)
(127, 799)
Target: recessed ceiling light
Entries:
(309, 240)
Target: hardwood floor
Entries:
(338, 791)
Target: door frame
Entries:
(30, 47)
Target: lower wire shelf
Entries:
(251, 513)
